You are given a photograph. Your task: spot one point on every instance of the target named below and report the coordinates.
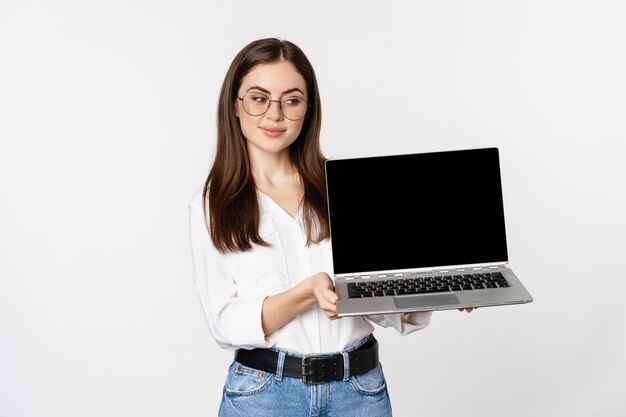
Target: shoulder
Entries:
(195, 202)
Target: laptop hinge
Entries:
(452, 269)
(468, 268)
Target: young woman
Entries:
(260, 242)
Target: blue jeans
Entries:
(250, 392)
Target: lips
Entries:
(272, 132)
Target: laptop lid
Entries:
(412, 211)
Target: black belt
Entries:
(312, 369)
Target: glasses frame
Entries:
(269, 104)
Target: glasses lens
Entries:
(294, 108)
(255, 104)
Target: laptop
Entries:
(419, 232)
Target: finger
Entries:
(332, 316)
(326, 305)
(330, 296)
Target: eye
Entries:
(259, 98)
(292, 101)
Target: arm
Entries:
(234, 320)
(403, 323)
(281, 308)
(406, 323)
(245, 322)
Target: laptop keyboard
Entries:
(426, 285)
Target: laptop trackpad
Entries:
(433, 300)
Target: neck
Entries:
(272, 168)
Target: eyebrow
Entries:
(291, 90)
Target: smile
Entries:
(272, 132)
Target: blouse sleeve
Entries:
(234, 321)
(404, 323)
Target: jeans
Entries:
(250, 392)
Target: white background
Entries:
(107, 126)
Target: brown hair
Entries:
(234, 213)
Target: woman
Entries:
(260, 242)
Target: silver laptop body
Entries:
(419, 232)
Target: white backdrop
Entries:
(107, 125)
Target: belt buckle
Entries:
(304, 372)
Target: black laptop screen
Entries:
(416, 210)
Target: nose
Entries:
(274, 112)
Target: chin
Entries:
(271, 146)
(268, 148)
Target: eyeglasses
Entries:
(256, 104)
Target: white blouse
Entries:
(232, 287)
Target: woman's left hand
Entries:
(469, 310)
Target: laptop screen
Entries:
(416, 210)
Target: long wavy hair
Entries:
(233, 214)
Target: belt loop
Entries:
(280, 365)
(346, 365)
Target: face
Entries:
(271, 132)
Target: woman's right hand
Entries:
(322, 288)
